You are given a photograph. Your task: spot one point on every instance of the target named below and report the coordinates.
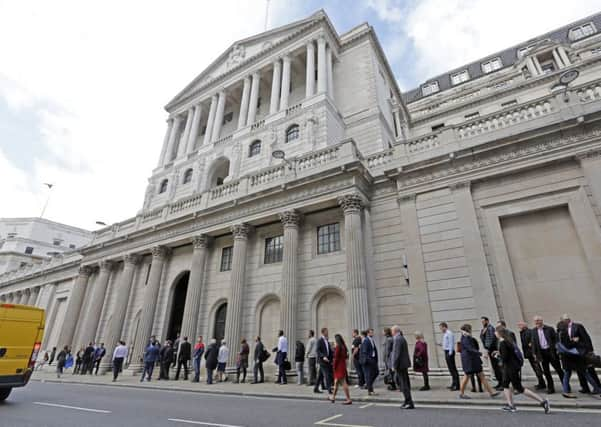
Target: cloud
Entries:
(387, 10)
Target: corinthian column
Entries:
(74, 306)
(244, 103)
(92, 318)
(162, 159)
(218, 121)
(117, 319)
(210, 120)
(254, 98)
(151, 295)
(191, 145)
(321, 65)
(33, 296)
(24, 297)
(195, 284)
(285, 82)
(290, 220)
(356, 278)
(310, 71)
(233, 323)
(275, 87)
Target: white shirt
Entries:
(311, 348)
(120, 352)
(448, 342)
(223, 355)
(283, 344)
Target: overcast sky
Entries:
(83, 83)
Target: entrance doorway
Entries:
(219, 329)
(177, 306)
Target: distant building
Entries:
(26, 241)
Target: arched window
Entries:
(254, 149)
(163, 186)
(188, 176)
(292, 133)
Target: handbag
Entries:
(418, 362)
(459, 347)
(287, 365)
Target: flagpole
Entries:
(47, 199)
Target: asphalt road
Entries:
(65, 405)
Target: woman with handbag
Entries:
(340, 373)
(420, 359)
(471, 363)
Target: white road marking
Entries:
(177, 420)
(498, 408)
(56, 405)
(326, 422)
(367, 405)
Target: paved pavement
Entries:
(69, 404)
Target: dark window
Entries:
(188, 176)
(328, 238)
(226, 258)
(437, 127)
(258, 102)
(203, 130)
(29, 250)
(163, 186)
(147, 275)
(472, 115)
(509, 103)
(292, 133)
(56, 242)
(254, 149)
(274, 249)
(228, 117)
(71, 246)
(219, 181)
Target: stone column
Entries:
(233, 323)
(275, 87)
(254, 99)
(162, 159)
(91, 319)
(563, 55)
(531, 67)
(310, 72)
(290, 221)
(218, 122)
(183, 145)
(117, 318)
(285, 82)
(557, 59)
(194, 129)
(356, 277)
(172, 139)
(195, 285)
(74, 306)
(329, 71)
(24, 297)
(321, 65)
(151, 295)
(33, 295)
(244, 103)
(210, 120)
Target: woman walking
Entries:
(420, 359)
(222, 356)
(242, 361)
(211, 358)
(471, 362)
(340, 374)
(512, 365)
(389, 372)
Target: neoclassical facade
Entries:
(297, 187)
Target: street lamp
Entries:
(279, 154)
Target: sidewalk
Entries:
(439, 395)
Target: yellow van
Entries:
(21, 331)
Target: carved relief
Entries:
(237, 55)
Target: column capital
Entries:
(256, 75)
(160, 252)
(202, 241)
(321, 39)
(310, 44)
(290, 218)
(132, 259)
(286, 57)
(106, 265)
(85, 270)
(351, 203)
(460, 185)
(240, 231)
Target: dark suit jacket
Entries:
(323, 350)
(526, 339)
(551, 338)
(185, 351)
(259, 347)
(578, 330)
(400, 353)
(366, 351)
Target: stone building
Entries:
(298, 188)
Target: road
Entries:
(65, 405)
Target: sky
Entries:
(83, 84)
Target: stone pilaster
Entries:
(195, 285)
(356, 278)
(310, 70)
(244, 103)
(191, 145)
(117, 319)
(254, 98)
(233, 323)
(321, 65)
(275, 87)
(74, 306)
(91, 319)
(210, 120)
(183, 145)
(218, 122)
(151, 295)
(290, 221)
(286, 61)
(170, 155)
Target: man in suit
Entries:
(526, 340)
(577, 332)
(166, 359)
(259, 358)
(151, 355)
(544, 339)
(401, 362)
(490, 342)
(356, 348)
(183, 357)
(324, 356)
(368, 357)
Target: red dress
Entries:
(421, 352)
(340, 357)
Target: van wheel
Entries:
(4, 392)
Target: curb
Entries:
(427, 401)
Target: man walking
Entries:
(282, 353)
(151, 355)
(356, 348)
(401, 363)
(183, 357)
(369, 360)
(312, 357)
(544, 339)
(166, 359)
(98, 355)
(489, 341)
(578, 333)
(324, 355)
(259, 358)
(199, 349)
(526, 340)
(119, 355)
(87, 363)
(448, 346)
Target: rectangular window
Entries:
(548, 67)
(228, 117)
(437, 127)
(56, 242)
(492, 65)
(472, 115)
(460, 77)
(274, 249)
(509, 103)
(29, 250)
(226, 258)
(582, 31)
(596, 51)
(71, 246)
(328, 238)
(430, 88)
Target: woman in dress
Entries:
(340, 374)
(420, 359)
(471, 363)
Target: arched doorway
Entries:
(269, 323)
(220, 317)
(178, 303)
(331, 313)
